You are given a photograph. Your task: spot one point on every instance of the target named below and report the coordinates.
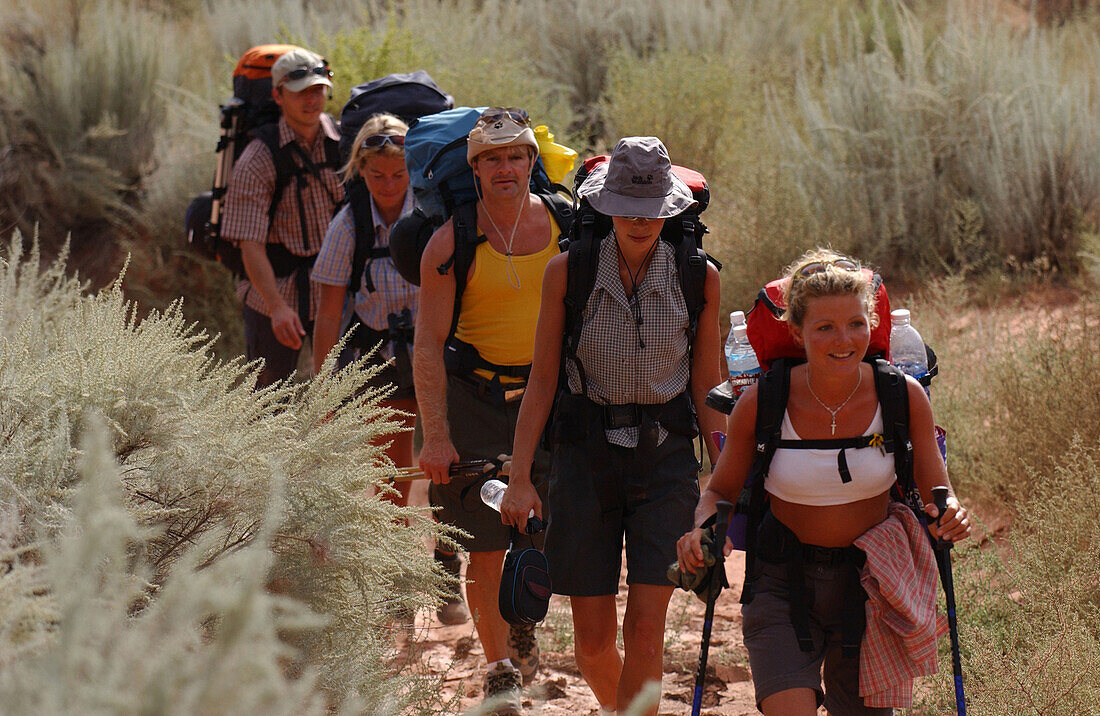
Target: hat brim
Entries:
(523, 138)
(306, 82)
(606, 201)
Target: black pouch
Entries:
(524, 587)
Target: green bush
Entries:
(87, 628)
(1028, 623)
(890, 141)
(201, 456)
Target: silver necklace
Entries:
(837, 409)
(511, 237)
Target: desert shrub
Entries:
(889, 142)
(200, 451)
(207, 642)
(81, 79)
(1015, 387)
(1028, 623)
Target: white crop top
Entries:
(811, 477)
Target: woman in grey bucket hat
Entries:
(637, 181)
(624, 465)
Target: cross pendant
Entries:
(832, 427)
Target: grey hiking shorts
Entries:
(481, 430)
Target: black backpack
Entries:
(253, 114)
(773, 390)
(684, 232)
(407, 96)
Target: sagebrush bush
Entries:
(83, 80)
(1016, 385)
(206, 639)
(200, 450)
(1028, 622)
(889, 141)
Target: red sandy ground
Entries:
(559, 689)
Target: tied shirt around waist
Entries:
(626, 361)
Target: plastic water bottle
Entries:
(737, 318)
(741, 360)
(906, 346)
(492, 494)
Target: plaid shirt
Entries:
(630, 361)
(333, 268)
(899, 643)
(249, 197)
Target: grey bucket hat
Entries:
(637, 181)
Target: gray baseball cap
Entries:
(637, 181)
(298, 69)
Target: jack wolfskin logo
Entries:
(639, 179)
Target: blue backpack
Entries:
(435, 154)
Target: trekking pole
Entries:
(721, 522)
(943, 552)
(464, 468)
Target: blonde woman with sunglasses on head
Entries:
(384, 307)
(810, 544)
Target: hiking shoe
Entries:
(452, 611)
(502, 687)
(523, 650)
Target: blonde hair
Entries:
(382, 123)
(799, 290)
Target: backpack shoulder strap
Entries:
(466, 238)
(359, 200)
(772, 391)
(562, 211)
(583, 249)
(282, 157)
(691, 263)
(893, 397)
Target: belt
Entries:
(491, 389)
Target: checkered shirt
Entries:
(333, 267)
(899, 643)
(249, 197)
(627, 362)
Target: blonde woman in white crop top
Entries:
(832, 395)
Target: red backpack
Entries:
(771, 337)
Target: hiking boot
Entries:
(452, 611)
(523, 650)
(502, 686)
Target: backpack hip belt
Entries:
(778, 545)
(576, 411)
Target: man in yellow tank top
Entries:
(471, 414)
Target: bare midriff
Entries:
(831, 525)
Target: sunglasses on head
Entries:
(819, 266)
(375, 141)
(295, 75)
(494, 114)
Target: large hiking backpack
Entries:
(684, 232)
(444, 186)
(407, 96)
(252, 114)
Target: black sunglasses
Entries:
(516, 114)
(295, 75)
(375, 141)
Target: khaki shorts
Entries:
(775, 658)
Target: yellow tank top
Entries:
(498, 319)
